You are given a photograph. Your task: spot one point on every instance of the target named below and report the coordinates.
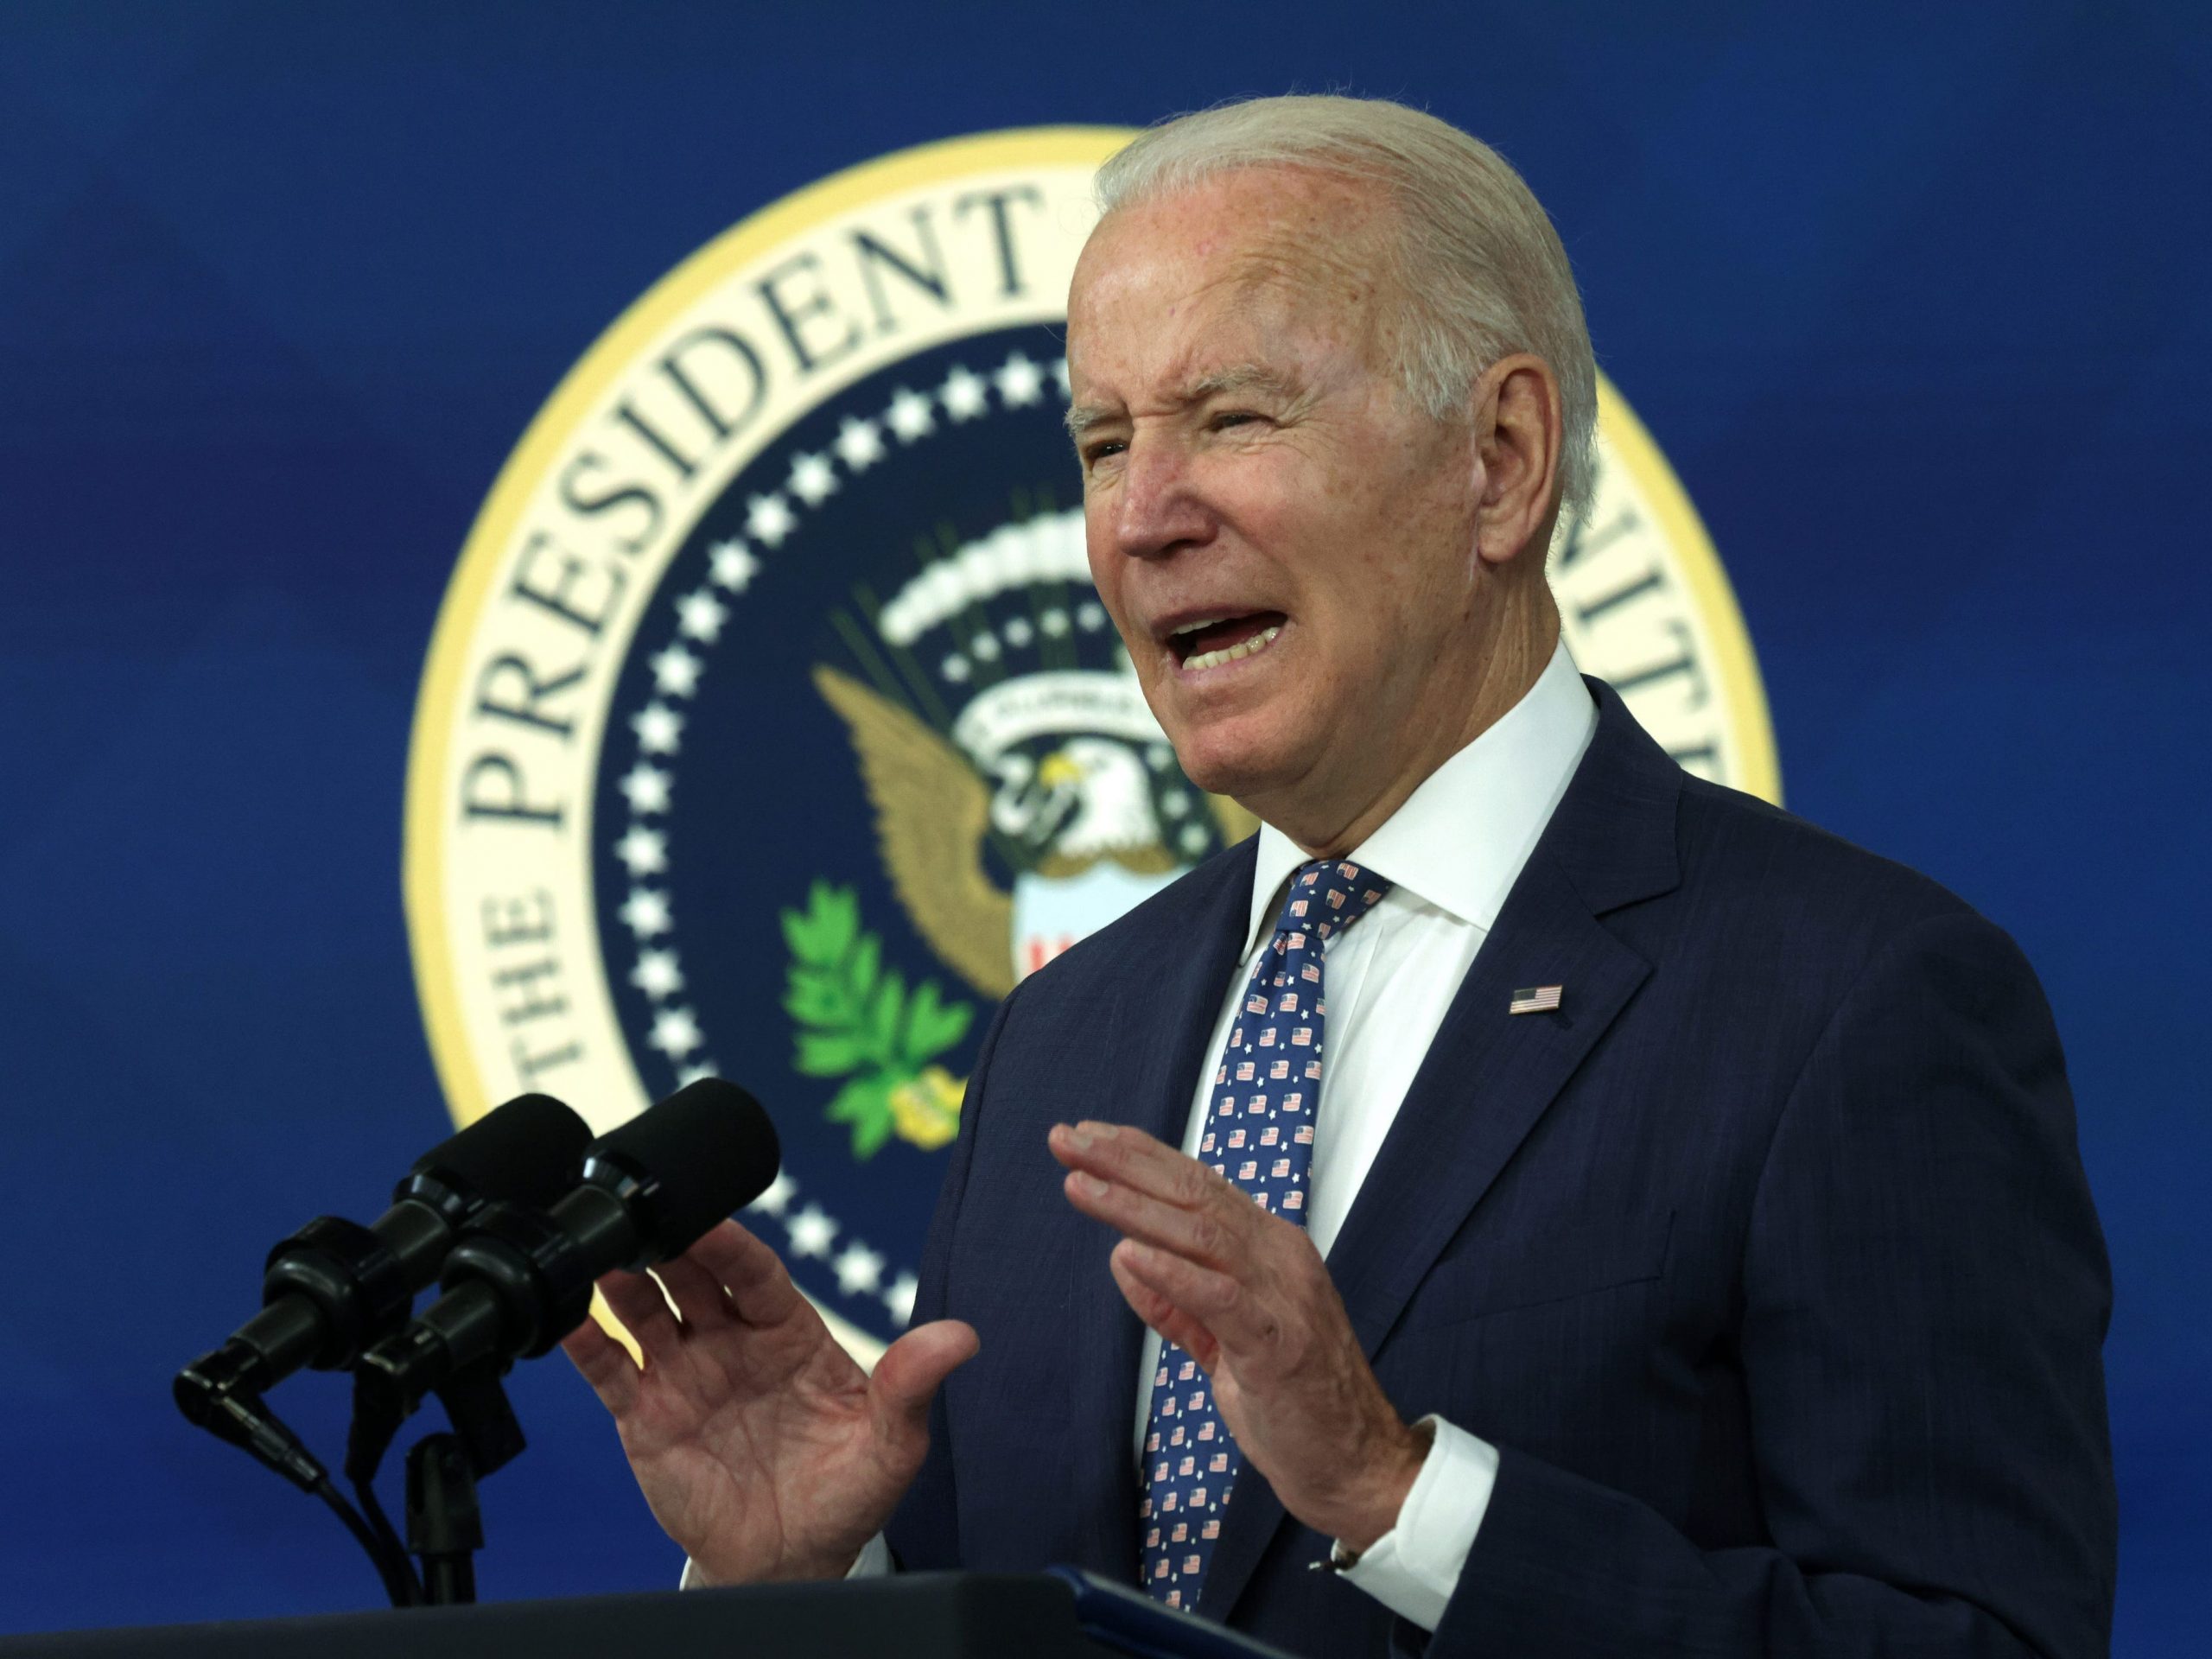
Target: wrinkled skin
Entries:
(761, 1448)
(1246, 1295)
(1246, 449)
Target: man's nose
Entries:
(1161, 507)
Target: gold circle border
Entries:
(422, 863)
(1711, 597)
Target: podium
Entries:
(910, 1616)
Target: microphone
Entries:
(518, 1281)
(335, 1286)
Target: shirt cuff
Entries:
(1413, 1568)
(873, 1562)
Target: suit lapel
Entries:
(1488, 1078)
(1490, 1075)
(1163, 1020)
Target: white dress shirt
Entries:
(1452, 852)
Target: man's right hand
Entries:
(761, 1446)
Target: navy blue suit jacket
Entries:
(1767, 1261)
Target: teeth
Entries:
(1192, 627)
(1259, 641)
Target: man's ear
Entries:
(1519, 434)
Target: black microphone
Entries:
(518, 1280)
(334, 1286)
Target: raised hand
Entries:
(1246, 1296)
(761, 1446)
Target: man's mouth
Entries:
(1216, 641)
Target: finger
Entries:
(1131, 1158)
(1214, 1300)
(698, 1296)
(761, 1291)
(1218, 1232)
(605, 1364)
(637, 1302)
(908, 1375)
(1174, 1324)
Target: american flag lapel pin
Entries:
(1536, 998)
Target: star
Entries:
(985, 648)
(646, 788)
(700, 615)
(657, 974)
(909, 416)
(859, 1269)
(769, 518)
(810, 1231)
(813, 479)
(676, 1032)
(1160, 757)
(1091, 617)
(1054, 622)
(697, 1072)
(1193, 838)
(660, 728)
(954, 669)
(1060, 374)
(962, 394)
(1018, 631)
(645, 911)
(734, 565)
(860, 443)
(900, 1298)
(1175, 803)
(1020, 382)
(676, 672)
(778, 1198)
(643, 851)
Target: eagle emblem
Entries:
(1024, 794)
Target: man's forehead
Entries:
(1243, 237)
(1208, 305)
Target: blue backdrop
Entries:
(1914, 303)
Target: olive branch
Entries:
(859, 1021)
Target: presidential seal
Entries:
(773, 729)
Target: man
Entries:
(1610, 1217)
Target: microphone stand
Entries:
(444, 1525)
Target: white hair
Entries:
(1480, 271)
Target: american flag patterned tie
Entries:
(1259, 1134)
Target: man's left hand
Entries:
(1246, 1295)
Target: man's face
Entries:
(1287, 547)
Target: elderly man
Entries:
(1740, 1293)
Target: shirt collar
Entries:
(1460, 839)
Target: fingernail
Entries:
(1092, 1185)
(1104, 1131)
(1082, 1140)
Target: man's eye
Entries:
(1103, 449)
(1229, 417)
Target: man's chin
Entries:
(1241, 764)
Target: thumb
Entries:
(906, 1377)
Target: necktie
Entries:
(1259, 1134)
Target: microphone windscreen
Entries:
(708, 1149)
(526, 1152)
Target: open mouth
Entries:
(1215, 642)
